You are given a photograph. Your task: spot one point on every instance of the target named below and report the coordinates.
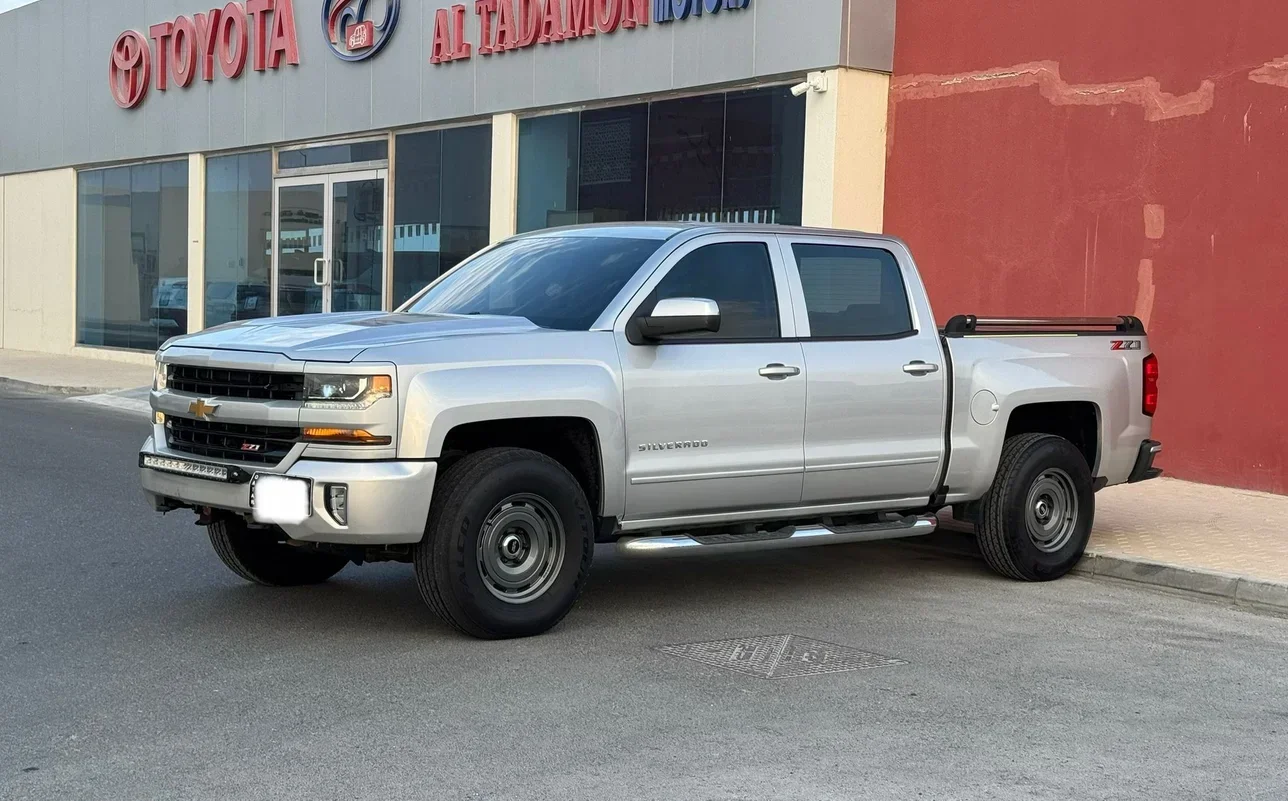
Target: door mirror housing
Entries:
(673, 316)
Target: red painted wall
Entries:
(1100, 157)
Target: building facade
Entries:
(166, 166)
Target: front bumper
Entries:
(388, 500)
(1144, 468)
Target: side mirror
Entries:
(677, 316)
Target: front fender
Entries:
(442, 397)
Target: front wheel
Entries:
(1035, 521)
(258, 556)
(508, 544)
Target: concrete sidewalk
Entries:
(1214, 541)
(115, 384)
(70, 375)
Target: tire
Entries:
(257, 556)
(499, 510)
(1035, 520)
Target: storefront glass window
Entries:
(239, 225)
(442, 192)
(735, 157)
(326, 155)
(132, 255)
(548, 159)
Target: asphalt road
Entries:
(134, 666)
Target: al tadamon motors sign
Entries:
(261, 31)
(512, 24)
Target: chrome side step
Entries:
(790, 537)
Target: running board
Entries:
(790, 537)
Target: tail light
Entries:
(1149, 395)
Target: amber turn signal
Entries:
(344, 436)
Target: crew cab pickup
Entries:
(671, 388)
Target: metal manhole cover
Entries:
(779, 656)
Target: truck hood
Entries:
(343, 337)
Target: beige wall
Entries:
(38, 261)
(505, 176)
(845, 150)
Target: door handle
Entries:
(319, 272)
(777, 372)
(920, 368)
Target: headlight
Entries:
(159, 376)
(345, 391)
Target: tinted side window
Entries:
(852, 291)
(737, 276)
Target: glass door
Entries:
(329, 248)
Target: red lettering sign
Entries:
(188, 45)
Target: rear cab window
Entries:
(852, 292)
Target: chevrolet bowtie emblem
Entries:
(202, 410)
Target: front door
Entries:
(715, 421)
(329, 244)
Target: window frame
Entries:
(787, 314)
(804, 333)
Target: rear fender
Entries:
(977, 448)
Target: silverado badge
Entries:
(202, 410)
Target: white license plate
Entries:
(280, 499)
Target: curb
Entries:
(1240, 590)
(1203, 584)
(46, 389)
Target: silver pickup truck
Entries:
(667, 387)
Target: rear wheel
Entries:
(259, 556)
(1035, 521)
(508, 544)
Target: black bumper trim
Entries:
(1144, 469)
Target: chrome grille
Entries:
(234, 442)
(251, 384)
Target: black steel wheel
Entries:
(508, 544)
(1035, 521)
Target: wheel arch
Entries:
(571, 441)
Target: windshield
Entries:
(562, 282)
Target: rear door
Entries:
(876, 405)
(714, 421)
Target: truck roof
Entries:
(666, 230)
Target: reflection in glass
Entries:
(132, 255)
(548, 164)
(764, 159)
(610, 183)
(735, 157)
(561, 282)
(686, 158)
(358, 245)
(325, 155)
(300, 220)
(442, 189)
(239, 211)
